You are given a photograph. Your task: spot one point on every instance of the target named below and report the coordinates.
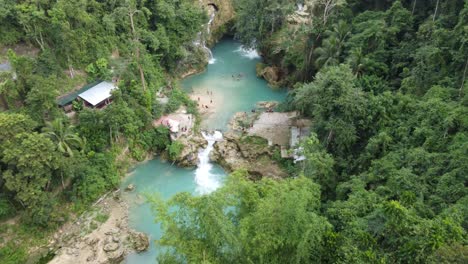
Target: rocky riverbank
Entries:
(101, 235)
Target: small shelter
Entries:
(98, 95)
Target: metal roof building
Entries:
(68, 98)
(98, 93)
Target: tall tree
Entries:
(246, 222)
(130, 10)
(31, 161)
(336, 105)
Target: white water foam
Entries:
(300, 7)
(211, 59)
(248, 53)
(201, 42)
(208, 30)
(206, 181)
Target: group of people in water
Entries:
(238, 76)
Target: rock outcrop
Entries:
(140, 241)
(252, 153)
(130, 188)
(192, 145)
(271, 74)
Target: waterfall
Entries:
(201, 41)
(300, 7)
(250, 53)
(206, 181)
(211, 59)
(208, 29)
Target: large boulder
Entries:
(247, 152)
(140, 241)
(112, 246)
(130, 188)
(115, 256)
(271, 74)
(113, 249)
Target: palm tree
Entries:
(357, 61)
(329, 53)
(63, 136)
(332, 47)
(341, 31)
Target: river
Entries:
(235, 87)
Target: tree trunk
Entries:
(70, 68)
(463, 79)
(142, 74)
(308, 62)
(137, 50)
(414, 6)
(435, 12)
(330, 136)
(40, 40)
(63, 183)
(4, 102)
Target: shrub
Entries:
(175, 149)
(137, 152)
(178, 98)
(100, 176)
(6, 208)
(12, 254)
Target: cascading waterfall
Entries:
(300, 7)
(200, 41)
(211, 59)
(205, 179)
(250, 53)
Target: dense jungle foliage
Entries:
(385, 179)
(384, 81)
(47, 159)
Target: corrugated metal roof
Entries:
(66, 99)
(98, 93)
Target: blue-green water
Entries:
(156, 176)
(234, 95)
(231, 94)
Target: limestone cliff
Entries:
(224, 14)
